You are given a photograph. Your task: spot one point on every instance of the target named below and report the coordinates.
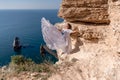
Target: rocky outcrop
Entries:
(93, 11)
(92, 61)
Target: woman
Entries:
(66, 33)
(55, 39)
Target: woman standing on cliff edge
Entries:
(67, 30)
(55, 39)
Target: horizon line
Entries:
(29, 9)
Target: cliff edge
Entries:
(94, 11)
(96, 55)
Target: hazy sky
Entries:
(30, 4)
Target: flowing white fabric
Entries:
(52, 36)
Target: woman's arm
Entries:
(74, 34)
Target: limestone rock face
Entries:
(93, 11)
(96, 59)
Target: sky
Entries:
(30, 4)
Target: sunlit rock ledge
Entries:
(96, 56)
(93, 11)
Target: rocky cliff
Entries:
(96, 56)
(93, 11)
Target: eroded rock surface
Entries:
(93, 11)
(92, 60)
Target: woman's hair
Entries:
(69, 26)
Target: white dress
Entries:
(54, 38)
(66, 35)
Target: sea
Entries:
(25, 24)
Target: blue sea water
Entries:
(26, 25)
